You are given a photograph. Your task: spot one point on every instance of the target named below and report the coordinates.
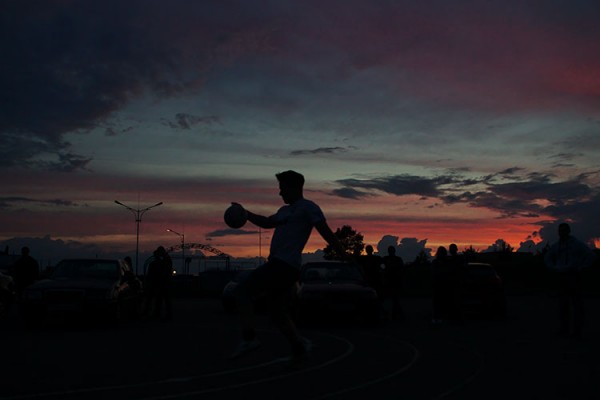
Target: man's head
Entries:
(25, 251)
(564, 230)
(369, 249)
(391, 250)
(453, 249)
(160, 251)
(291, 184)
(441, 252)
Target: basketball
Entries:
(235, 216)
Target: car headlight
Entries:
(32, 294)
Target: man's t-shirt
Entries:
(568, 255)
(294, 225)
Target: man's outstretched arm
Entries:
(261, 220)
(258, 220)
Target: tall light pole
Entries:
(182, 236)
(138, 218)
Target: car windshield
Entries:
(331, 273)
(102, 269)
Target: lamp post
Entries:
(182, 236)
(138, 218)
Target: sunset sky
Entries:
(419, 122)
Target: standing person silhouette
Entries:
(163, 284)
(372, 269)
(371, 265)
(276, 278)
(157, 285)
(440, 272)
(567, 258)
(457, 265)
(393, 280)
(25, 271)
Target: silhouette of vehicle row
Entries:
(84, 287)
(335, 290)
(325, 289)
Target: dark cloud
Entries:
(350, 193)
(527, 194)
(401, 185)
(112, 131)
(583, 216)
(320, 150)
(506, 206)
(9, 202)
(188, 121)
(68, 65)
(558, 192)
(229, 232)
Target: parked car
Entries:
(260, 304)
(99, 287)
(335, 289)
(482, 290)
(228, 296)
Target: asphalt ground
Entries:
(187, 358)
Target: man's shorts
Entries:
(274, 279)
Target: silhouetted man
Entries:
(371, 265)
(26, 270)
(456, 270)
(567, 258)
(293, 224)
(393, 280)
(440, 279)
(158, 284)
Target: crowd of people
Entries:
(386, 275)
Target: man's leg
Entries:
(279, 308)
(280, 298)
(578, 307)
(168, 304)
(564, 304)
(245, 293)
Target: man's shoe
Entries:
(245, 347)
(302, 353)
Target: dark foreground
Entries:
(520, 358)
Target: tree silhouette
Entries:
(421, 259)
(470, 253)
(350, 240)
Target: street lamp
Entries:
(182, 236)
(138, 218)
